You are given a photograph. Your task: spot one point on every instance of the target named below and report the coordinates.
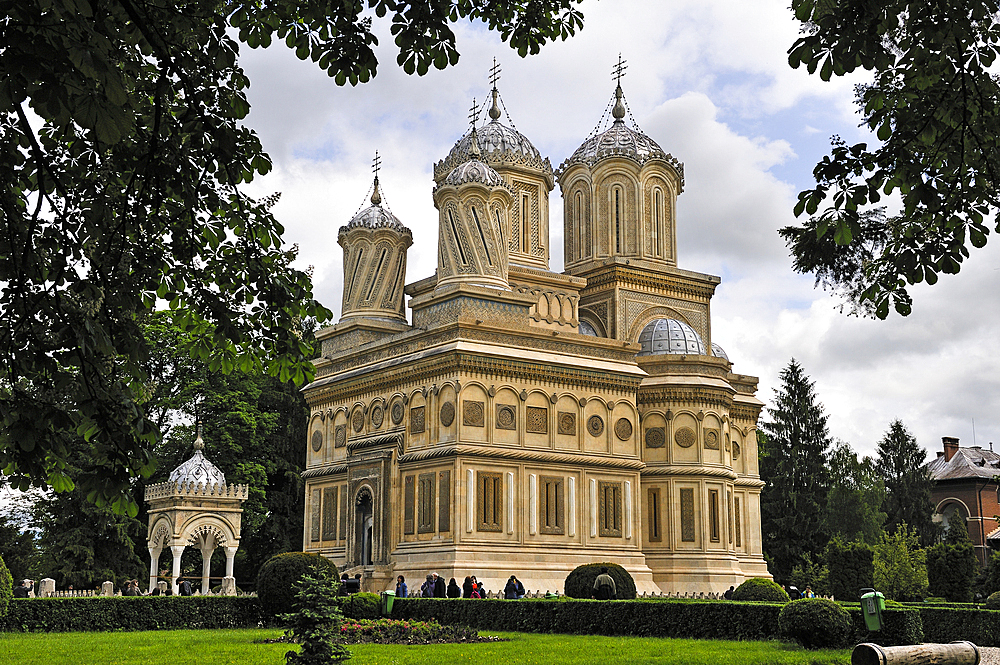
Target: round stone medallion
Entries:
(655, 437)
(358, 420)
(712, 439)
(448, 414)
(623, 429)
(377, 416)
(397, 413)
(505, 417)
(567, 423)
(595, 425)
(685, 437)
(341, 436)
(317, 441)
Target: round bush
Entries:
(815, 623)
(993, 601)
(760, 588)
(580, 582)
(6, 588)
(278, 576)
(361, 606)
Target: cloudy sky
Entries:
(709, 81)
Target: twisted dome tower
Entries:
(375, 244)
(527, 174)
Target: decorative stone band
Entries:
(750, 481)
(168, 489)
(524, 455)
(394, 439)
(325, 470)
(714, 472)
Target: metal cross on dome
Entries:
(495, 73)
(618, 71)
(376, 164)
(473, 113)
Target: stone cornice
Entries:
(520, 454)
(325, 470)
(749, 481)
(666, 395)
(613, 275)
(676, 470)
(394, 439)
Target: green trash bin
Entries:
(387, 598)
(872, 604)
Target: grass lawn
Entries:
(220, 647)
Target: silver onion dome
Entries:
(670, 336)
(198, 470)
(375, 216)
(498, 144)
(719, 352)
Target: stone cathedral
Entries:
(523, 421)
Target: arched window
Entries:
(616, 207)
(658, 221)
(578, 223)
(525, 231)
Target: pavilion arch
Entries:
(208, 524)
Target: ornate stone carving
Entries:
(358, 420)
(340, 436)
(685, 437)
(623, 429)
(655, 437)
(567, 423)
(687, 515)
(473, 413)
(397, 413)
(317, 441)
(595, 425)
(712, 439)
(506, 416)
(447, 414)
(537, 420)
(736, 450)
(378, 415)
(417, 420)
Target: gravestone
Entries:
(47, 588)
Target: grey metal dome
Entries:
(498, 144)
(587, 329)
(376, 217)
(474, 171)
(719, 352)
(198, 469)
(664, 336)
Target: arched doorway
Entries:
(364, 526)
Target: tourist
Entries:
(604, 586)
(809, 592)
(510, 590)
(22, 590)
(184, 587)
(427, 588)
(478, 591)
(453, 590)
(439, 586)
(728, 595)
(467, 588)
(131, 590)
(400, 587)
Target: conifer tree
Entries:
(908, 484)
(794, 449)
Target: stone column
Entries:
(154, 565)
(206, 570)
(177, 551)
(230, 557)
(229, 582)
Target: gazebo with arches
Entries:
(195, 507)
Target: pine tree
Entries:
(794, 449)
(907, 483)
(854, 503)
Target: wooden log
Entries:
(956, 653)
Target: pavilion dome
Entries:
(670, 336)
(198, 470)
(719, 352)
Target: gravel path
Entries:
(989, 655)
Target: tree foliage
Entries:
(952, 565)
(794, 449)
(900, 565)
(122, 153)
(908, 484)
(934, 107)
(854, 502)
(315, 623)
(851, 568)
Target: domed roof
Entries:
(587, 329)
(670, 336)
(198, 469)
(719, 352)
(498, 144)
(474, 171)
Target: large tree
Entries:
(934, 107)
(854, 502)
(794, 445)
(902, 466)
(121, 156)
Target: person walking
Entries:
(467, 588)
(604, 586)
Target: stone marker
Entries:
(47, 588)
(108, 589)
(228, 586)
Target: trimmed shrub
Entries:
(815, 623)
(851, 568)
(993, 601)
(951, 571)
(278, 576)
(903, 626)
(361, 606)
(46, 615)
(394, 631)
(949, 624)
(580, 582)
(6, 588)
(760, 589)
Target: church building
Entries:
(522, 421)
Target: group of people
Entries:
(435, 587)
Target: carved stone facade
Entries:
(527, 421)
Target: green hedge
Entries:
(718, 620)
(125, 613)
(945, 624)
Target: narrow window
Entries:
(729, 514)
(687, 515)
(618, 221)
(425, 503)
(314, 511)
(654, 515)
(444, 501)
(458, 241)
(503, 240)
(490, 502)
(739, 520)
(551, 508)
(397, 278)
(329, 513)
(713, 515)
(578, 224)
(525, 231)
(658, 221)
(482, 236)
(354, 276)
(609, 509)
(409, 504)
